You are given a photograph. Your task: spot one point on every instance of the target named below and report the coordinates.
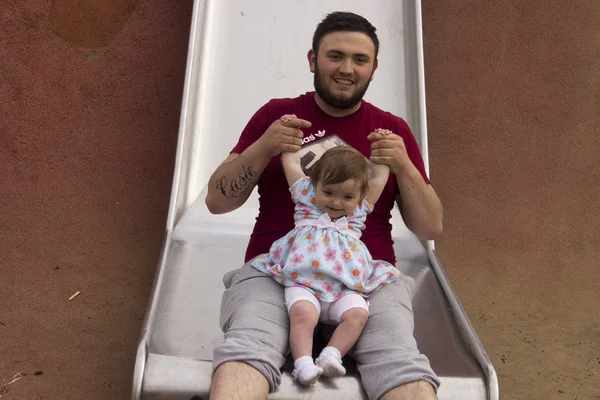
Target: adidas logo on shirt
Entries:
(312, 137)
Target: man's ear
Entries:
(375, 65)
(312, 60)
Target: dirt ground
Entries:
(90, 98)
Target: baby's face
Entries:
(338, 199)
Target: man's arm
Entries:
(419, 205)
(233, 181)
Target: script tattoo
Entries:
(242, 184)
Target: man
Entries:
(254, 319)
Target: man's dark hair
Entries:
(347, 22)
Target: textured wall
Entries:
(513, 104)
(91, 94)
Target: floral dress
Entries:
(327, 257)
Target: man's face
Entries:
(343, 68)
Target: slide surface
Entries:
(240, 56)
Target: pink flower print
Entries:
(337, 296)
(313, 247)
(361, 261)
(330, 254)
(326, 239)
(354, 246)
(297, 259)
(318, 276)
(277, 253)
(293, 192)
(347, 256)
(315, 263)
(294, 247)
(337, 267)
(328, 286)
(359, 287)
(306, 283)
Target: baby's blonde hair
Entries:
(339, 164)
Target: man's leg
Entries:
(390, 365)
(419, 390)
(255, 323)
(236, 380)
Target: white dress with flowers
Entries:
(326, 257)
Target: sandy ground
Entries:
(88, 122)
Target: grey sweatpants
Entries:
(255, 324)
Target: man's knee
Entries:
(388, 365)
(255, 324)
(237, 380)
(418, 390)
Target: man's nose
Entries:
(346, 66)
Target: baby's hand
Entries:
(287, 118)
(384, 132)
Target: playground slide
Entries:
(241, 54)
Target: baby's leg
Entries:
(304, 310)
(352, 313)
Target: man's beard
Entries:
(337, 102)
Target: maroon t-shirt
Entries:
(276, 208)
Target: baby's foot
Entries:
(330, 360)
(305, 370)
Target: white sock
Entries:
(305, 370)
(330, 360)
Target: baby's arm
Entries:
(291, 167)
(291, 161)
(378, 177)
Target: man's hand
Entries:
(284, 135)
(388, 148)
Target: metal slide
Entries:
(241, 54)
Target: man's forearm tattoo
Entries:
(240, 185)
